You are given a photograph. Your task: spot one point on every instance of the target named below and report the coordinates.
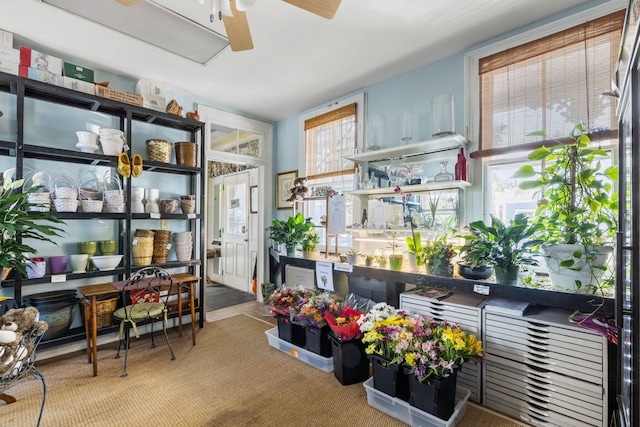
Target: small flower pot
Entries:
(395, 262)
(508, 276)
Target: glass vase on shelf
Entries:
(398, 172)
(443, 176)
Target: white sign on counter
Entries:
(324, 275)
(336, 215)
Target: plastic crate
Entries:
(406, 413)
(313, 359)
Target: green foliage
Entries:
(501, 245)
(414, 243)
(310, 240)
(577, 204)
(290, 232)
(437, 252)
(18, 222)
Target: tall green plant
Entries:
(290, 232)
(18, 222)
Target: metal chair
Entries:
(23, 369)
(145, 296)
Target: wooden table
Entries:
(91, 293)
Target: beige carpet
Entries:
(232, 377)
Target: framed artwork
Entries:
(253, 199)
(284, 184)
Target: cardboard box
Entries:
(148, 88)
(118, 95)
(9, 67)
(9, 54)
(79, 85)
(77, 72)
(6, 39)
(40, 61)
(157, 103)
(41, 76)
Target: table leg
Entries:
(180, 290)
(193, 312)
(94, 335)
(87, 326)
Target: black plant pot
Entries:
(350, 363)
(476, 273)
(438, 397)
(389, 378)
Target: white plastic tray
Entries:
(309, 357)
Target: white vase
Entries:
(151, 195)
(563, 278)
(87, 141)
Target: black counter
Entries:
(398, 279)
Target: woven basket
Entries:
(159, 150)
(139, 261)
(66, 205)
(112, 141)
(65, 193)
(91, 205)
(104, 312)
(143, 233)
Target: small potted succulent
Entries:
(353, 256)
(369, 258)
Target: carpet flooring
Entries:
(220, 296)
(232, 377)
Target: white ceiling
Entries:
(299, 60)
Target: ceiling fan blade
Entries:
(325, 8)
(129, 2)
(237, 28)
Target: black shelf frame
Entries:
(26, 89)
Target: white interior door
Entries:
(235, 233)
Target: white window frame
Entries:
(359, 99)
(479, 195)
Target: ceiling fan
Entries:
(232, 13)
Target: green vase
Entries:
(507, 276)
(291, 251)
(395, 262)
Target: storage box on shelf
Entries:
(462, 309)
(64, 154)
(548, 372)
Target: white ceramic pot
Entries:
(563, 278)
(79, 262)
(87, 141)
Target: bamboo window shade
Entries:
(549, 84)
(329, 137)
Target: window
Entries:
(548, 79)
(550, 84)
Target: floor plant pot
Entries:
(389, 378)
(318, 340)
(508, 276)
(478, 272)
(290, 332)
(395, 262)
(350, 362)
(437, 398)
(563, 278)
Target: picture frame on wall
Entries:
(284, 184)
(253, 199)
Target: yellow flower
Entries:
(410, 359)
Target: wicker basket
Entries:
(159, 150)
(104, 312)
(186, 153)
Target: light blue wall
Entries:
(413, 91)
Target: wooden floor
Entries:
(252, 308)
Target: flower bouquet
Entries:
(311, 314)
(283, 302)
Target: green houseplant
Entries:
(395, 259)
(353, 256)
(437, 254)
(290, 233)
(577, 212)
(414, 247)
(19, 221)
(310, 244)
(504, 246)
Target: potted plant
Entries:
(505, 247)
(20, 220)
(437, 254)
(382, 259)
(475, 262)
(353, 256)
(577, 212)
(395, 259)
(414, 247)
(368, 259)
(290, 232)
(310, 244)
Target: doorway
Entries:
(238, 199)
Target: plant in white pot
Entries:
(577, 211)
(310, 245)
